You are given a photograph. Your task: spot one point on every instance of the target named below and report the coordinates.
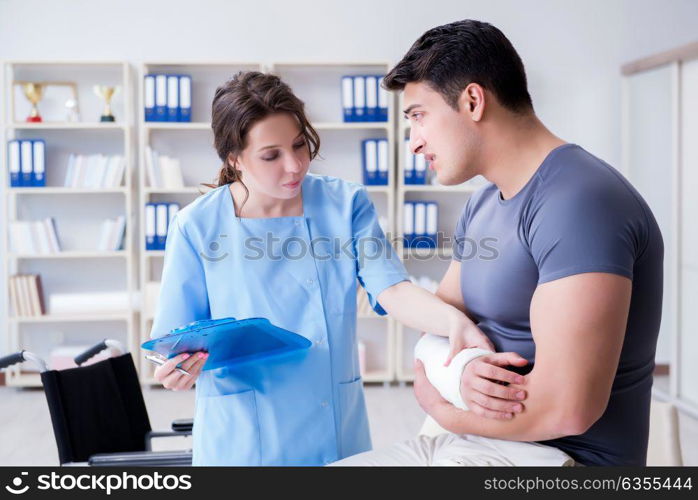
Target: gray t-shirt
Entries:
(576, 215)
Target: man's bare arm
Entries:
(449, 288)
(578, 325)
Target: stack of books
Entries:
(34, 237)
(112, 234)
(95, 171)
(158, 217)
(415, 167)
(363, 99)
(420, 224)
(26, 295)
(167, 98)
(26, 161)
(163, 172)
(375, 162)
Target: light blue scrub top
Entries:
(302, 409)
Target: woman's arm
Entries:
(417, 308)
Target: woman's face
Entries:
(276, 158)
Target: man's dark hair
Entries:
(450, 57)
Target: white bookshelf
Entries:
(318, 85)
(388, 344)
(190, 142)
(78, 212)
(432, 263)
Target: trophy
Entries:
(33, 92)
(106, 92)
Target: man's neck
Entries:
(517, 149)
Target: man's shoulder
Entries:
(574, 180)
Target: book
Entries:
(27, 295)
(34, 237)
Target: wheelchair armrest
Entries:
(140, 458)
(158, 434)
(183, 425)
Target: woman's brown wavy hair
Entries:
(242, 101)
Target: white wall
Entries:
(572, 50)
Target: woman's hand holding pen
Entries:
(170, 378)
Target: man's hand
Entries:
(482, 386)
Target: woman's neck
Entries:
(259, 205)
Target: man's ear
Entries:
(472, 101)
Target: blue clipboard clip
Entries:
(229, 342)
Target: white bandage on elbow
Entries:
(432, 350)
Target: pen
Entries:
(157, 360)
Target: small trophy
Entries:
(33, 92)
(106, 92)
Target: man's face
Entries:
(448, 138)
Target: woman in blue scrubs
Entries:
(271, 240)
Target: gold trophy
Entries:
(106, 92)
(33, 92)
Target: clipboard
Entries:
(229, 342)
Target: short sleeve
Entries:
(183, 294)
(583, 231)
(459, 234)
(377, 264)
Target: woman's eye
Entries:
(299, 145)
(271, 157)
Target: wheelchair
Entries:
(98, 413)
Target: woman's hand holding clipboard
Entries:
(170, 373)
(229, 342)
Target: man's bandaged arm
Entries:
(578, 324)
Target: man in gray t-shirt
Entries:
(575, 215)
(558, 261)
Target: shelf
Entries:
(72, 318)
(68, 126)
(66, 190)
(378, 189)
(177, 125)
(203, 64)
(425, 188)
(421, 252)
(185, 190)
(25, 380)
(352, 125)
(73, 255)
(329, 64)
(117, 269)
(154, 253)
(376, 376)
